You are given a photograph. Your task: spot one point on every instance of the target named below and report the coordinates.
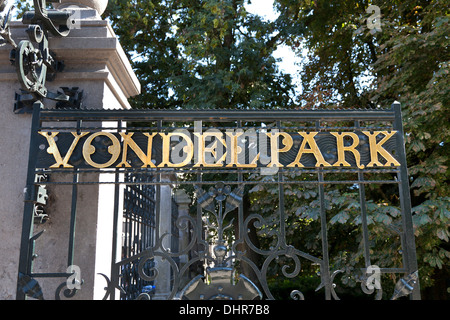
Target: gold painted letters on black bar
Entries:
(362, 149)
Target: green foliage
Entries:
(407, 61)
(193, 54)
(211, 53)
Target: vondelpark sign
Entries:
(214, 148)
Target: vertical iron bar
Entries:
(240, 237)
(365, 230)
(200, 221)
(25, 258)
(409, 249)
(73, 211)
(129, 227)
(73, 216)
(114, 271)
(158, 197)
(281, 202)
(362, 204)
(325, 272)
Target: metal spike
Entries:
(405, 285)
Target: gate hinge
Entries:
(36, 194)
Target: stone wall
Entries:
(95, 63)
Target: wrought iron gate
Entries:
(138, 231)
(231, 248)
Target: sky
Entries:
(288, 61)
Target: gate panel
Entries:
(255, 178)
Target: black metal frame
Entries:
(91, 118)
(138, 231)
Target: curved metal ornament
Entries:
(30, 69)
(220, 287)
(41, 15)
(32, 64)
(5, 32)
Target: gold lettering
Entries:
(274, 150)
(188, 150)
(89, 149)
(341, 149)
(376, 148)
(308, 138)
(53, 148)
(235, 150)
(202, 149)
(145, 158)
(233, 147)
(209, 150)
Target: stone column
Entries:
(183, 201)
(95, 63)
(162, 281)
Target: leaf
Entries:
(423, 182)
(341, 217)
(256, 188)
(444, 214)
(443, 234)
(358, 220)
(417, 146)
(307, 212)
(383, 218)
(420, 220)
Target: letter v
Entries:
(53, 148)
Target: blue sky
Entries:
(288, 61)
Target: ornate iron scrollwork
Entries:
(221, 287)
(36, 65)
(40, 200)
(4, 24)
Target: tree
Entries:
(194, 54)
(407, 61)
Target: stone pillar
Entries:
(14, 146)
(95, 63)
(183, 201)
(162, 281)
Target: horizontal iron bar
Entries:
(171, 128)
(152, 171)
(51, 275)
(214, 115)
(388, 270)
(178, 182)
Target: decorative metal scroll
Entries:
(221, 287)
(34, 62)
(5, 19)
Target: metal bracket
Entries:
(30, 287)
(75, 97)
(24, 103)
(36, 65)
(68, 98)
(38, 195)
